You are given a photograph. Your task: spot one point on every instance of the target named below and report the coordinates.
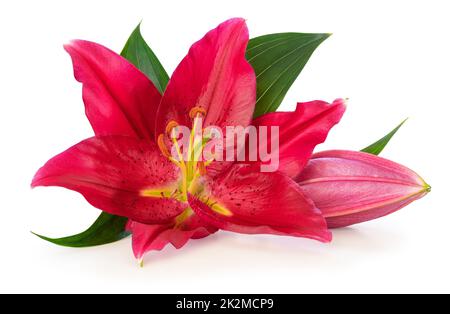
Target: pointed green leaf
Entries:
(377, 147)
(106, 229)
(139, 53)
(277, 60)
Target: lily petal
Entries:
(244, 200)
(352, 187)
(300, 131)
(148, 238)
(119, 99)
(112, 172)
(214, 76)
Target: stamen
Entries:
(170, 126)
(184, 171)
(195, 111)
(162, 146)
(178, 149)
(170, 132)
(191, 165)
(196, 144)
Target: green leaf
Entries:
(377, 147)
(277, 60)
(106, 229)
(139, 53)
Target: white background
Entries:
(391, 58)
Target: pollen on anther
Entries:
(195, 111)
(170, 126)
(162, 146)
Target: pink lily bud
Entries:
(352, 187)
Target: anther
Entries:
(170, 126)
(195, 111)
(162, 146)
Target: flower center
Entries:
(189, 159)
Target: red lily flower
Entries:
(126, 169)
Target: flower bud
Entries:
(352, 187)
